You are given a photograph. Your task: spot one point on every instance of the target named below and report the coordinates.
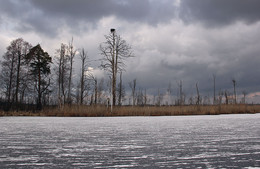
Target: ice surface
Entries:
(229, 141)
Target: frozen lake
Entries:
(230, 141)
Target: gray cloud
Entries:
(220, 12)
(48, 16)
(25, 18)
(88, 10)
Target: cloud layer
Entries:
(220, 12)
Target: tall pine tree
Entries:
(39, 61)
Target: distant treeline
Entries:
(31, 79)
(5, 106)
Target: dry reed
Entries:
(99, 111)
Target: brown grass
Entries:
(98, 111)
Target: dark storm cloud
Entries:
(220, 12)
(23, 17)
(90, 10)
(48, 16)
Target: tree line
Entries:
(25, 72)
(30, 76)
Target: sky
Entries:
(172, 40)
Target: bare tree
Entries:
(22, 50)
(121, 91)
(25, 83)
(8, 75)
(95, 89)
(140, 97)
(220, 95)
(62, 68)
(244, 96)
(235, 95)
(132, 85)
(206, 100)
(93, 97)
(227, 95)
(8, 70)
(78, 93)
(190, 101)
(14, 69)
(94, 83)
(114, 51)
(109, 98)
(100, 90)
(169, 91)
(181, 94)
(198, 95)
(159, 98)
(71, 54)
(214, 88)
(145, 98)
(83, 79)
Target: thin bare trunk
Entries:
(96, 92)
(39, 104)
(10, 79)
(114, 69)
(198, 95)
(132, 85)
(235, 95)
(18, 77)
(120, 90)
(214, 87)
(72, 53)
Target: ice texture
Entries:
(223, 141)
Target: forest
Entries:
(33, 81)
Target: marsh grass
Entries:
(99, 111)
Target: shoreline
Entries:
(103, 111)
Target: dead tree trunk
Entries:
(114, 50)
(132, 85)
(198, 98)
(198, 95)
(72, 53)
(235, 95)
(214, 86)
(83, 88)
(120, 90)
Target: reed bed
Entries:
(99, 111)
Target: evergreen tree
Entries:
(39, 70)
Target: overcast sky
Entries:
(188, 40)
